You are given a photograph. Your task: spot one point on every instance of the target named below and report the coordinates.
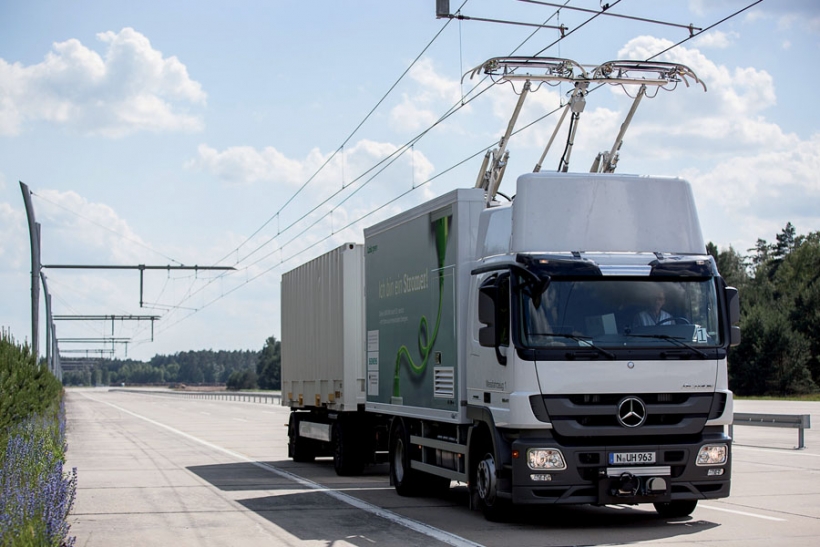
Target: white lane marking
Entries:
(744, 513)
(416, 526)
(206, 413)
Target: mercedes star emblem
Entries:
(631, 412)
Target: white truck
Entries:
(566, 347)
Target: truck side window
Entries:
(494, 311)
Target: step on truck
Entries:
(566, 346)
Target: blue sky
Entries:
(181, 133)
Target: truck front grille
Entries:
(596, 415)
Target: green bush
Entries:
(26, 388)
(36, 496)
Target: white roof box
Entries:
(590, 212)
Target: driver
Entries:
(654, 314)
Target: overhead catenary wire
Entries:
(710, 27)
(347, 139)
(363, 217)
(131, 239)
(402, 150)
(604, 11)
(390, 158)
(576, 29)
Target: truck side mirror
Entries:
(735, 336)
(733, 305)
(733, 302)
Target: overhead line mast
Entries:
(140, 267)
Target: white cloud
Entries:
(423, 107)
(803, 14)
(750, 176)
(13, 237)
(716, 39)
(132, 88)
(248, 165)
(755, 194)
(76, 231)
(324, 214)
(727, 118)
(754, 183)
(408, 115)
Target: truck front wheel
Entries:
(676, 509)
(486, 487)
(483, 478)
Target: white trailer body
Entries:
(322, 351)
(322, 303)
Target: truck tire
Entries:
(347, 454)
(676, 509)
(483, 477)
(404, 479)
(486, 488)
(302, 451)
(299, 448)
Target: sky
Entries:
(260, 134)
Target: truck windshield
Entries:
(619, 313)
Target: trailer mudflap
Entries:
(634, 485)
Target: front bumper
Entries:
(589, 478)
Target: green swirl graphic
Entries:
(425, 341)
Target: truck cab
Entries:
(598, 349)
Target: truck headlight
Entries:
(712, 454)
(545, 458)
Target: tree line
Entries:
(241, 369)
(779, 353)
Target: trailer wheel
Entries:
(402, 477)
(347, 456)
(302, 451)
(299, 448)
(676, 509)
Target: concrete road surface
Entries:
(159, 470)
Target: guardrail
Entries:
(792, 421)
(264, 398)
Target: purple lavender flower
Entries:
(36, 496)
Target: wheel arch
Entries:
(481, 431)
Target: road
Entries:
(158, 470)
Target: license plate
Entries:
(631, 458)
